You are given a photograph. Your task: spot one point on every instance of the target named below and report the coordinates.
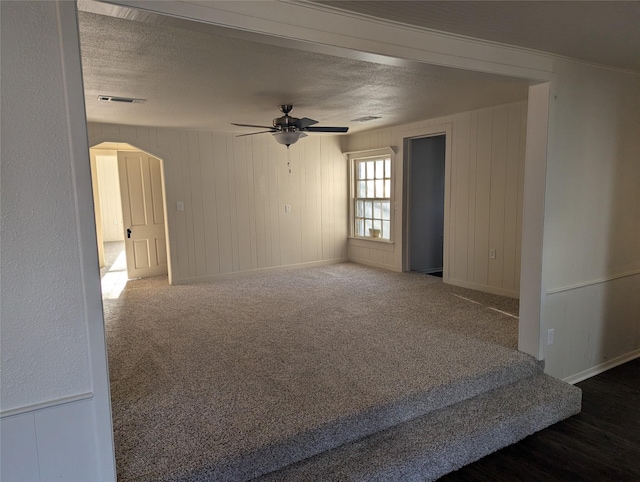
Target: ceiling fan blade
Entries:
(326, 129)
(251, 125)
(304, 122)
(254, 133)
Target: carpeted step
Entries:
(428, 447)
(275, 453)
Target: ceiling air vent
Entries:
(366, 118)
(122, 100)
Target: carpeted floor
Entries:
(218, 371)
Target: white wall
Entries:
(591, 248)
(234, 192)
(485, 196)
(54, 398)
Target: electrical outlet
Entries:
(179, 206)
(287, 208)
(550, 336)
(492, 254)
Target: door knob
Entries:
(128, 233)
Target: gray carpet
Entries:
(428, 447)
(233, 379)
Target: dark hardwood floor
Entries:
(602, 443)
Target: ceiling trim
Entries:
(398, 24)
(317, 28)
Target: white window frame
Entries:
(352, 158)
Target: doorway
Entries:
(426, 186)
(130, 215)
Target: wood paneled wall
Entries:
(485, 196)
(234, 192)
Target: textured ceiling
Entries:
(602, 32)
(194, 78)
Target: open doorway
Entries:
(130, 215)
(425, 203)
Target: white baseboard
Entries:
(252, 272)
(487, 289)
(374, 264)
(603, 367)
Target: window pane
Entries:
(362, 170)
(386, 210)
(371, 189)
(377, 210)
(379, 169)
(386, 229)
(379, 188)
(370, 170)
(372, 181)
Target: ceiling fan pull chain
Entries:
(289, 159)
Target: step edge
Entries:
(566, 402)
(353, 428)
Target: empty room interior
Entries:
(315, 240)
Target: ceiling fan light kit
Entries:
(288, 130)
(288, 138)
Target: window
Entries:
(372, 197)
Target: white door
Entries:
(142, 214)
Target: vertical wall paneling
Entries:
(19, 449)
(296, 190)
(197, 255)
(485, 196)
(273, 167)
(181, 216)
(520, 210)
(317, 201)
(241, 194)
(325, 222)
(304, 198)
(231, 171)
(222, 203)
(497, 192)
(234, 192)
(251, 192)
(210, 212)
(263, 207)
(473, 161)
(461, 174)
(451, 214)
(510, 236)
(188, 203)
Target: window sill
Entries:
(381, 244)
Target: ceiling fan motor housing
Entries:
(285, 123)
